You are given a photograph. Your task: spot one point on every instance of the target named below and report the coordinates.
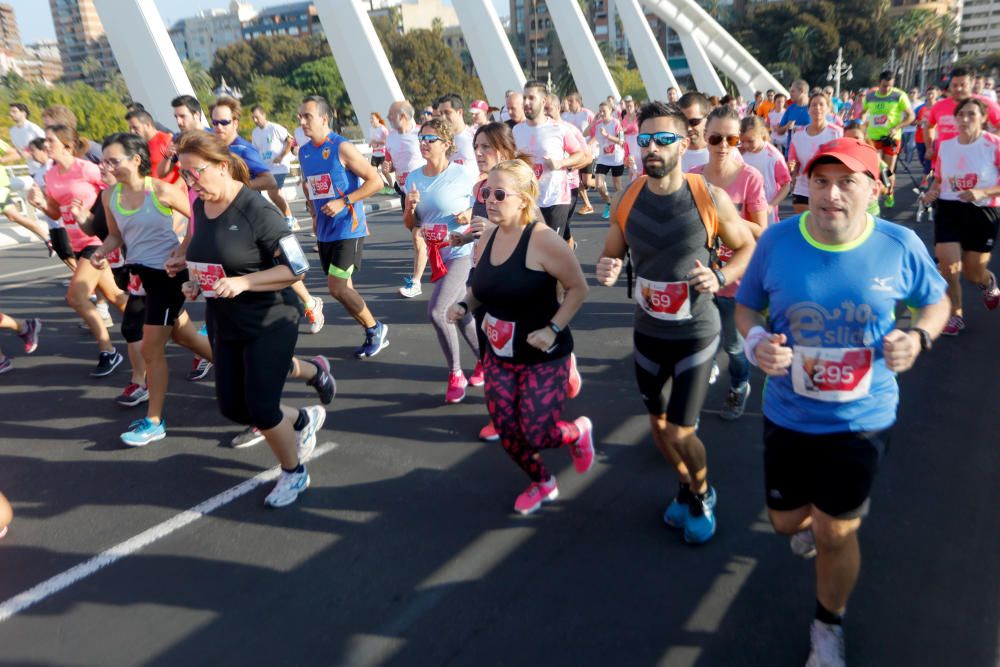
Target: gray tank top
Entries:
(665, 235)
(148, 231)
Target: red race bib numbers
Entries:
(539, 167)
(206, 275)
(500, 334)
(320, 186)
(664, 301)
(832, 374)
(966, 182)
(115, 258)
(135, 287)
(435, 233)
(67, 216)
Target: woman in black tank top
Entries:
(528, 343)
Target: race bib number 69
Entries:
(664, 301)
(834, 375)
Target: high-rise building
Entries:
(980, 27)
(10, 36)
(198, 37)
(83, 47)
(41, 62)
(298, 19)
(953, 7)
(416, 14)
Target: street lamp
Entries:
(839, 69)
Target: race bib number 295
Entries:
(834, 375)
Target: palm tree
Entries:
(199, 77)
(798, 46)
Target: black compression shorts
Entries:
(682, 367)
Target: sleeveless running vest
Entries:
(148, 231)
(516, 301)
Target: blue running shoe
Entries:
(607, 212)
(141, 432)
(677, 511)
(700, 526)
(376, 338)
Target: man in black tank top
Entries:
(676, 321)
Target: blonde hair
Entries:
(211, 148)
(521, 173)
(443, 130)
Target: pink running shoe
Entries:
(582, 450)
(489, 433)
(991, 293)
(575, 381)
(478, 377)
(456, 388)
(535, 495)
(955, 324)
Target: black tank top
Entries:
(516, 301)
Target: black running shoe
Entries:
(107, 362)
(323, 382)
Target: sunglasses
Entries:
(695, 121)
(661, 138)
(192, 176)
(222, 122)
(715, 139)
(426, 113)
(429, 138)
(112, 162)
(498, 194)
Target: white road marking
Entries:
(51, 267)
(64, 580)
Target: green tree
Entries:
(280, 100)
(276, 55)
(199, 77)
(322, 77)
(426, 68)
(797, 46)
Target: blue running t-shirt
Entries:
(835, 304)
(327, 178)
(245, 150)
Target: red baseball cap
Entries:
(853, 154)
(479, 105)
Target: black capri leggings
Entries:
(250, 375)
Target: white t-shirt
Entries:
(548, 140)
(969, 166)
(582, 118)
(376, 139)
(693, 157)
(22, 136)
(270, 142)
(465, 152)
(774, 118)
(610, 153)
(403, 150)
(772, 166)
(803, 148)
(300, 137)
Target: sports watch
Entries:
(925, 338)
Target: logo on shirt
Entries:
(234, 228)
(814, 325)
(326, 152)
(882, 284)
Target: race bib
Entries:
(67, 216)
(401, 177)
(320, 186)
(725, 253)
(435, 233)
(135, 287)
(206, 275)
(664, 301)
(966, 182)
(500, 334)
(881, 120)
(539, 168)
(832, 374)
(609, 149)
(115, 258)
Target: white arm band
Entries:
(752, 340)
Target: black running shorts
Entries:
(164, 295)
(682, 367)
(973, 227)
(615, 170)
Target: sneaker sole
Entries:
(251, 443)
(534, 508)
(452, 401)
(160, 436)
(29, 349)
(476, 384)
(132, 404)
(277, 505)
(590, 434)
(381, 347)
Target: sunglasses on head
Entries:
(222, 122)
(498, 194)
(429, 138)
(661, 138)
(715, 139)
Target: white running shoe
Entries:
(827, 646)
(714, 375)
(307, 436)
(315, 316)
(803, 543)
(288, 488)
(410, 288)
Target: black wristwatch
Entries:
(464, 305)
(720, 276)
(925, 338)
(555, 328)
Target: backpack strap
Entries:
(705, 202)
(627, 201)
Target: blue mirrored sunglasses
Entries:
(661, 139)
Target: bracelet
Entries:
(720, 276)
(464, 305)
(752, 340)
(556, 329)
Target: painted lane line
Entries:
(37, 269)
(64, 580)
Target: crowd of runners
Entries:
(691, 188)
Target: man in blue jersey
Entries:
(830, 280)
(336, 179)
(796, 112)
(225, 115)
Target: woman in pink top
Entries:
(768, 160)
(745, 186)
(805, 142)
(72, 186)
(630, 123)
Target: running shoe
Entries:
(141, 432)
(293, 224)
(199, 368)
(410, 288)
(956, 323)
(536, 494)
(700, 525)
(586, 210)
(803, 543)
(376, 338)
(607, 212)
(890, 200)
(6, 364)
(575, 380)
(107, 362)
(247, 438)
(133, 395)
(582, 450)
(991, 294)
(736, 403)
(306, 438)
(676, 513)
(323, 382)
(288, 488)
(456, 388)
(478, 377)
(30, 335)
(714, 374)
(315, 316)
(827, 645)
(489, 433)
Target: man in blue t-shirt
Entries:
(796, 113)
(336, 177)
(829, 281)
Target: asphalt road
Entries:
(405, 550)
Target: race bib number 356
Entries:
(664, 301)
(834, 375)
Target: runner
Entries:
(553, 148)
(942, 124)
(768, 160)
(377, 136)
(887, 111)
(158, 143)
(27, 330)
(774, 122)
(796, 113)
(609, 136)
(581, 118)
(59, 114)
(252, 317)
(804, 143)
(9, 207)
(673, 95)
(745, 187)
(515, 109)
(923, 114)
(451, 108)
(57, 240)
(527, 359)
(338, 179)
(817, 307)
(676, 323)
(695, 108)
(274, 144)
(188, 116)
(553, 111)
(22, 132)
(140, 216)
(766, 106)
(403, 157)
(630, 124)
(967, 189)
(479, 111)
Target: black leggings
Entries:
(250, 375)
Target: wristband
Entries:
(464, 305)
(720, 276)
(555, 328)
(752, 340)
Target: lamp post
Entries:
(838, 70)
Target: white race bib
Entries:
(832, 374)
(500, 334)
(435, 233)
(135, 287)
(664, 301)
(320, 186)
(206, 276)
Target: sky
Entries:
(35, 20)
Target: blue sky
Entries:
(35, 20)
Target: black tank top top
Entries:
(516, 301)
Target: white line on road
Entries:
(35, 270)
(62, 581)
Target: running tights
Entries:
(525, 402)
(447, 291)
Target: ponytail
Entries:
(238, 169)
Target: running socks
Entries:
(301, 420)
(824, 615)
(296, 470)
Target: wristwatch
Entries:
(925, 338)
(555, 328)
(347, 201)
(720, 276)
